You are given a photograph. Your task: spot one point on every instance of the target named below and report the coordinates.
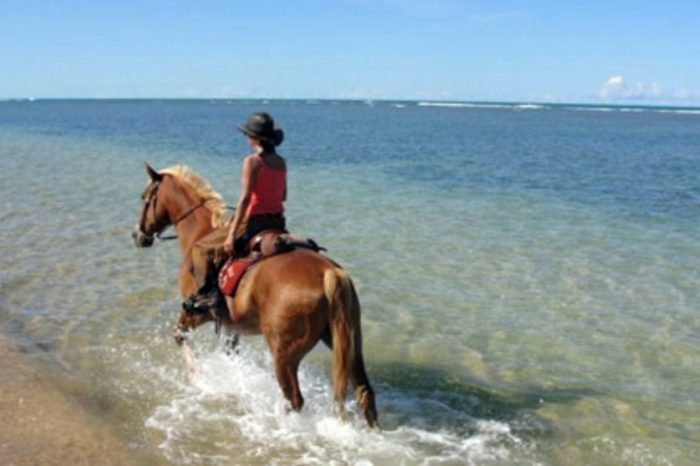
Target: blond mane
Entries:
(202, 189)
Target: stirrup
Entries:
(202, 303)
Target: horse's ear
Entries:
(155, 176)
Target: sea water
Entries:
(528, 276)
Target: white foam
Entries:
(681, 111)
(591, 109)
(529, 107)
(462, 105)
(526, 106)
(236, 410)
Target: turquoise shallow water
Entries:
(528, 277)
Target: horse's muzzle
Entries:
(141, 240)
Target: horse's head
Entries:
(153, 218)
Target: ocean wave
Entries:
(18, 99)
(525, 106)
(462, 105)
(591, 109)
(681, 111)
(530, 107)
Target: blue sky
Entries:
(592, 51)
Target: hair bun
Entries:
(278, 137)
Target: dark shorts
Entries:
(256, 224)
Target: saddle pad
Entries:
(231, 273)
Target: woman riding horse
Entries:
(294, 299)
(260, 207)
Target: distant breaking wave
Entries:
(461, 105)
(530, 106)
(592, 108)
(681, 111)
(576, 108)
(477, 105)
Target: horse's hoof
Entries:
(232, 352)
(231, 344)
(180, 337)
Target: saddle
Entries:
(265, 244)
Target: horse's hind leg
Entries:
(231, 343)
(286, 372)
(286, 366)
(327, 338)
(364, 394)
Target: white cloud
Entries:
(616, 88)
(615, 81)
(612, 88)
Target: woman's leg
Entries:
(204, 257)
(205, 265)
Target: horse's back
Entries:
(285, 286)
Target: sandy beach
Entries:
(39, 424)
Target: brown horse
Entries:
(293, 299)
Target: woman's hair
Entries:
(267, 146)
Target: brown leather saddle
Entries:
(270, 242)
(263, 245)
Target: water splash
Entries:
(235, 410)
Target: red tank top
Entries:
(268, 192)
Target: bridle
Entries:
(151, 204)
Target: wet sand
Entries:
(41, 425)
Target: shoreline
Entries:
(39, 424)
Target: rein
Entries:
(180, 218)
(152, 202)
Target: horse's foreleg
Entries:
(190, 364)
(181, 334)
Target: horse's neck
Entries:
(194, 226)
(192, 229)
(187, 237)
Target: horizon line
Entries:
(359, 99)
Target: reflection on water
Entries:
(507, 318)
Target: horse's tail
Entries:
(346, 336)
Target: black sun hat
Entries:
(260, 125)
